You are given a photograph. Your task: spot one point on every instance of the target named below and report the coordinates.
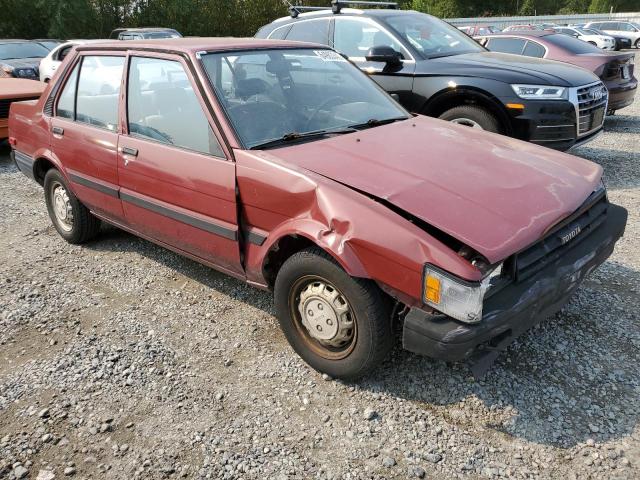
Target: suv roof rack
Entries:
(336, 6)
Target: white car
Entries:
(628, 30)
(50, 63)
(604, 42)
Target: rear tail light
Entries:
(12, 141)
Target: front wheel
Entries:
(472, 116)
(338, 324)
(638, 43)
(71, 219)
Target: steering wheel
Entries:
(324, 104)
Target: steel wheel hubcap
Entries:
(62, 207)
(326, 314)
(467, 122)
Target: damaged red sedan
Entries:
(283, 165)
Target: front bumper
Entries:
(517, 307)
(560, 124)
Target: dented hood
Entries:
(493, 193)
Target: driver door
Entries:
(354, 37)
(176, 185)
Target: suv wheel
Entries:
(339, 325)
(472, 116)
(72, 220)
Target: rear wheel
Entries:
(638, 43)
(339, 325)
(472, 116)
(71, 219)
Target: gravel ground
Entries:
(119, 359)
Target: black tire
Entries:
(83, 226)
(593, 43)
(638, 43)
(372, 333)
(484, 119)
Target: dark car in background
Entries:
(146, 33)
(21, 58)
(628, 30)
(436, 70)
(616, 70)
(48, 43)
(622, 42)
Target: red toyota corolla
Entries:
(283, 165)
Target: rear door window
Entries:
(534, 49)
(99, 91)
(163, 106)
(314, 31)
(506, 45)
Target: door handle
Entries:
(57, 130)
(130, 151)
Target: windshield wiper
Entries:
(293, 136)
(374, 122)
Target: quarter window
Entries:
(506, 45)
(316, 31)
(66, 107)
(534, 49)
(163, 106)
(99, 91)
(354, 38)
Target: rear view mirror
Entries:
(384, 54)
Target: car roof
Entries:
(371, 12)
(199, 44)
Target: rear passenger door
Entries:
(176, 184)
(84, 131)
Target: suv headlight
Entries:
(540, 92)
(455, 297)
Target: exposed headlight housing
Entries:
(540, 92)
(455, 297)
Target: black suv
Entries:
(439, 71)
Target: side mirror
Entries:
(384, 54)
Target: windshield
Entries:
(572, 44)
(432, 37)
(272, 94)
(10, 51)
(588, 31)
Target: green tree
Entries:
(600, 6)
(528, 7)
